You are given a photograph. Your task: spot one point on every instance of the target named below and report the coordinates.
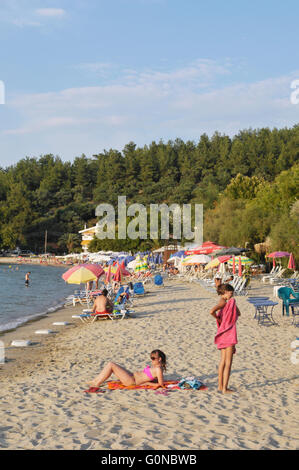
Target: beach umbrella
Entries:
(141, 266)
(234, 265)
(274, 264)
(291, 264)
(108, 275)
(244, 261)
(216, 261)
(278, 254)
(132, 264)
(124, 272)
(118, 276)
(205, 249)
(112, 269)
(222, 269)
(240, 267)
(83, 273)
(196, 259)
(230, 251)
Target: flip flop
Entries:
(162, 392)
(94, 390)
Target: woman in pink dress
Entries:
(226, 337)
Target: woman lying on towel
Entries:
(144, 377)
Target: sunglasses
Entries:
(153, 358)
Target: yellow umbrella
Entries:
(215, 262)
(113, 269)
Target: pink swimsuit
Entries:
(147, 371)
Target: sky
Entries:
(81, 76)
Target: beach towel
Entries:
(227, 332)
(170, 384)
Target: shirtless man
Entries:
(27, 279)
(102, 304)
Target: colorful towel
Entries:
(170, 384)
(227, 332)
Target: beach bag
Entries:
(190, 383)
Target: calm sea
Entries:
(18, 303)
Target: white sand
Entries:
(43, 405)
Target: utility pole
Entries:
(46, 235)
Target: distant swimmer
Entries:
(27, 278)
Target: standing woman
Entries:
(226, 337)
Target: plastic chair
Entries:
(284, 293)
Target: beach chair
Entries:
(277, 278)
(285, 293)
(158, 280)
(241, 289)
(272, 273)
(138, 289)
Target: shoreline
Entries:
(34, 316)
(34, 262)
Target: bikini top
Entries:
(147, 371)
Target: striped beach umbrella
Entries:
(141, 266)
(83, 273)
(244, 261)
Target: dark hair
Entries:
(162, 356)
(228, 288)
(104, 292)
(220, 289)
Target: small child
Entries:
(226, 337)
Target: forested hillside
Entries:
(248, 185)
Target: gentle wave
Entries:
(19, 304)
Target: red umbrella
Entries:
(240, 267)
(204, 249)
(274, 264)
(123, 269)
(117, 275)
(108, 275)
(234, 265)
(291, 264)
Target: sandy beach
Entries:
(43, 405)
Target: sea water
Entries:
(19, 303)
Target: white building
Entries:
(87, 236)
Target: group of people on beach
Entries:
(226, 314)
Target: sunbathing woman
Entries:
(144, 377)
